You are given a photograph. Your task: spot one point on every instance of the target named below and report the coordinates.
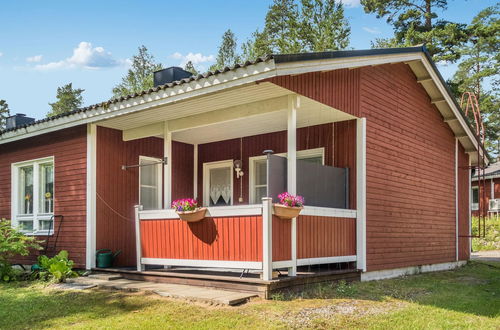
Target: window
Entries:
(218, 183)
(150, 178)
(475, 198)
(33, 195)
(258, 171)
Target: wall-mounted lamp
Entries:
(238, 164)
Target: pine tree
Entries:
(479, 70)
(282, 27)
(190, 68)
(416, 22)
(68, 99)
(140, 76)
(323, 26)
(4, 113)
(227, 55)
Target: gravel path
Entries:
(486, 255)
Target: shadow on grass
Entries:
(24, 305)
(472, 289)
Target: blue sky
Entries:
(46, 44)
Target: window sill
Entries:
(38, 233)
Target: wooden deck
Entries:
(234, 280)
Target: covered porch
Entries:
(213, 151)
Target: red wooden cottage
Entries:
(490, 196)
(372, 138)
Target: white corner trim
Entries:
(361, 193)
(398, 272)
(90, 246)
(203, 263)
(456, 199)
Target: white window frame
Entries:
(36, 217)
(159, 176)
(475, 206)
(206, 178)
(301, 154)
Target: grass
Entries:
(464, 298)
(491, 241)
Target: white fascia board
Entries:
(212, 84)
(456, 111)
(299, 67)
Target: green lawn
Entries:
(465, 298)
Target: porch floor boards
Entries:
(231, 280)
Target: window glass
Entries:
(26, 190)
(150, 183)
(220, 186)
(475, 195)
(47, 188)
(260, 174)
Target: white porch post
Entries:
(361, 194)
(138, 245)
(293, 104)
(91, 196)
(195, 171)
(267, 241)
(167, 176)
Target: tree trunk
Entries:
(428, 21)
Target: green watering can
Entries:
(105, 258)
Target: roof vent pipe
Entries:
(18, 120)
(168, 75)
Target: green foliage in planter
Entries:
(57, 269)
(13, 243)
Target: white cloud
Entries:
(371, 30)
(84, 56)
(350, 3)
(1, 54)
(36, 58)
(197, 59)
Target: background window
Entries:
(150, 177)
(258, 175)
(33, 186)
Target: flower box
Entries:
(287, 212)
(193, 216)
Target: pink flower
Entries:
(184, 204)
(288, 199)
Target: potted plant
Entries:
(289, 206)
(188, 210)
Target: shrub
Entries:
(492, 239)
(13, 243)
(57, 269)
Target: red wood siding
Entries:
(225, 238)
(345, 153)
(282, 239)
(463, 204)
(410, 172)
(325, 237)
(338, 89)
(118, 190)
(307, 138)
(69, 149)
(182, 170)
(410, 161)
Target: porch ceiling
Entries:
(195, 123)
